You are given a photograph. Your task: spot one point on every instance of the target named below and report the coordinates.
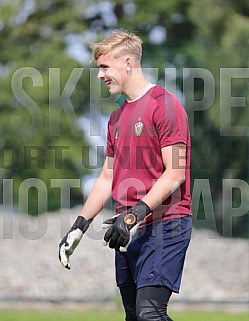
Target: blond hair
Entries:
(119, 43)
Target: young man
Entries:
(147, 173)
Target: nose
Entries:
(101, 74)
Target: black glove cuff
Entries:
(81, 223)
(141, 209)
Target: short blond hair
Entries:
(119, 43)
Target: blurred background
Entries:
(54, 111)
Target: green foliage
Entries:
(34, 113)
(223, 41)
(208, 34)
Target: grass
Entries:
(11, 315)
(210, 316)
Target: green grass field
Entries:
(7, 315)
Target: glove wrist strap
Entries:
(81, 223)
(136, 214)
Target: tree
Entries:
(222, 37)
(177, 34)
(40, 135)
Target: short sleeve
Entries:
(171, 121)
(109, 144)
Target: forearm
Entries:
(101, 191)
(97, 198)
(174, 159)
(164, 187)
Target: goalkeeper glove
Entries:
(72, 239)
(123, 226)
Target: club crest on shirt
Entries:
(139, 127)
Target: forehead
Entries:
(106, 60)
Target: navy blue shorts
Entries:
(156, 255)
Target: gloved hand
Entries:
(72, 239)
(123, 226)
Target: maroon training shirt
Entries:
(137, 132)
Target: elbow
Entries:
(181, 178)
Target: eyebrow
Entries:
(103, 66)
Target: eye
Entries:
(103, 67)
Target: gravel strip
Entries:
(216, 268)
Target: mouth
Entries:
(108, 83)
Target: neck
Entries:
(135, 89)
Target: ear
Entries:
(128, 63)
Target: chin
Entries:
(115, 91)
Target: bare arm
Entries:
(101, 191)
(174, 159)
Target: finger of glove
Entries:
(108, 235)
(124, 246)
(114, 239)
(133, 231)
(120, 242)
(63, 241)
(109, 222)
(63, 257)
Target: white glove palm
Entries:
(71, 240)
